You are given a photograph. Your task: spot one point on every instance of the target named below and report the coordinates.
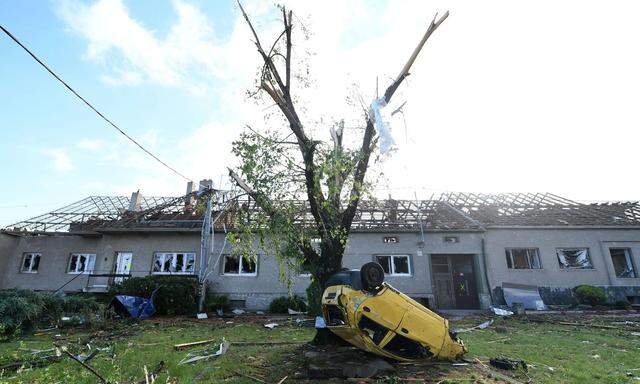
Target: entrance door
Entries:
(123, 265)
(464, 282)
(454, 281)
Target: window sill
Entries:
(239, 275)
(29, 272)
(173, 273)
(398, 275)
(78, 273)
(526, 269)
(577, 269)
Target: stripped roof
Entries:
(451, 211)
(541, 209)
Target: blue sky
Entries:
(505, 97)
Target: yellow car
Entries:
(362, 309)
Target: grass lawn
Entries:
(555, 353)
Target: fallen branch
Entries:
(193, 344)
(86, 366)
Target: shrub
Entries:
(590, 295)
(19, 310)
(622, 304)
(178, 295)
(214, 302)
(22, 309)
(283, 303)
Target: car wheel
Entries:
(372, 276)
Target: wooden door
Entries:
(443, 282)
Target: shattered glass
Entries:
(622, 263)
(574, 258)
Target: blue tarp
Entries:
(134, 306)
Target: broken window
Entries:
(173, 263)
(622, 263)
(81, 263)
(241, 266)
(30, 263)
(523, 258)
(574, 258)
(397, 265)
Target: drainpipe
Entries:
(483, 254)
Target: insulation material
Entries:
(382, 124)
(528, 295)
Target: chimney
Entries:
(136, 200)
(189, 201)
(205, 184)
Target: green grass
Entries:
(555, 353)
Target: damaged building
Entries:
(460, 250)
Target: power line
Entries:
(91, 106)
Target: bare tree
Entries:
(330, 177)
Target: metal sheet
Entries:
(528, 295)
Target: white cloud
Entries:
(61, 160)
(89, 144)
(504, 97)
(184, 57)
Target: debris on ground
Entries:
(353, 363)
(193, 344)
(271, 325)
(507, 363)
(526, 295)
(238, 311)
(202, 316)
(501, 312)
(484, 325)
(292, 312)
(205, 354)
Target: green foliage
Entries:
(314, 297)
(622, 304)
(178, 295)
(590, 295)
(283, 303)
(22, 309)
(214, 302)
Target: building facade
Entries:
(454, 252)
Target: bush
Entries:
(178, 295)
(214, 302)
(622, 304)
(19, 310)
(22, 309)
(590, 295)
(283, 303)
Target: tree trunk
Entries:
(330, 263)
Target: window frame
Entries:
(511, 264)
(240, 269)
(628, 259)
(31, 255)
(173, 263)
(91, 260)
(393, 266)
(562, 268)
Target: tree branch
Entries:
(369, 134)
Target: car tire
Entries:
(372, 276)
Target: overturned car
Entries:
(362, 309)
